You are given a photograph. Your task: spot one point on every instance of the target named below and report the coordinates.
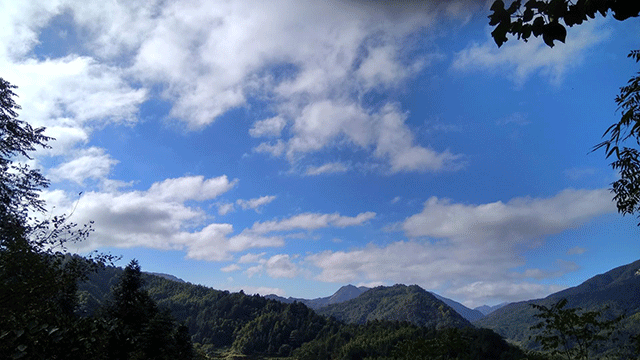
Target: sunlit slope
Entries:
(398, 302)
(618, 290)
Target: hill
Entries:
(349, 292)
(397, 303)
(345, 293)
(235, 325)
(486, 309)
(469, 314)
(617, 290)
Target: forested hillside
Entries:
(615, 292)
(221, 322)
(397, 303)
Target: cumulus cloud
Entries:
(519, 219)
(268, 127)
(520, 60)
(328, 168)
(210, 57)
(191, 188)
(311, 221)
(277, 266)
(460, 247)
(91, 163)
(225, 208)
(230, 268)
(159, 218)
(256, 203)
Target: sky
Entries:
(293, 147)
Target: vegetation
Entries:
(612, 294)
(546, 18)
(397, 303)
(571, 332)
(39, 280)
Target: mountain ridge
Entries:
(614, 292)
(397, 303)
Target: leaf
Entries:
(537, 26)
(528, 15)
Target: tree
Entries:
(38, 279)
(572, 333)
(139, 329)
(549, 19)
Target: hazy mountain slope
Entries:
(486, 309)
(469, 314)
(619, 289)
(345, 293)
(398, 302)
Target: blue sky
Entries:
(294, 147)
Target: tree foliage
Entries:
(546, 18)
(571, 332)
(39, 279)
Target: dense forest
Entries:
(221, 322)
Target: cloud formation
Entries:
(460, 247)
(519, 60)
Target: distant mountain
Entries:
(469, 314)
(345, 293)
(618, 289)
(167, 276)
(398, 302)
(486, 309)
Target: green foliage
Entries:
(396, 303)
(543, 18)
(402, 340)
(37, 278)
(627, 163)
(571, 332)
(139, 329)
(613, 293)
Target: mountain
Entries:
(397, 303)
(618, 290)
(469, 314)
(167, 276)
(486, 309)
(345, 293)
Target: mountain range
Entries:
(616, 292)
(348, 292)
(216, 317)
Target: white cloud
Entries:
(328, 168)
(276, 149)
(268, 127)
(520, 60)
(256, 203)
(472, 247)
(311, 221)
(230, 268)
(91, 163)
(191, 188)
(576, 250)
(280, 266)
(209, 57)
(225, 208)
(251, 258)
(159, 218)
(277, 266)
(486, 292)
(520, 219)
